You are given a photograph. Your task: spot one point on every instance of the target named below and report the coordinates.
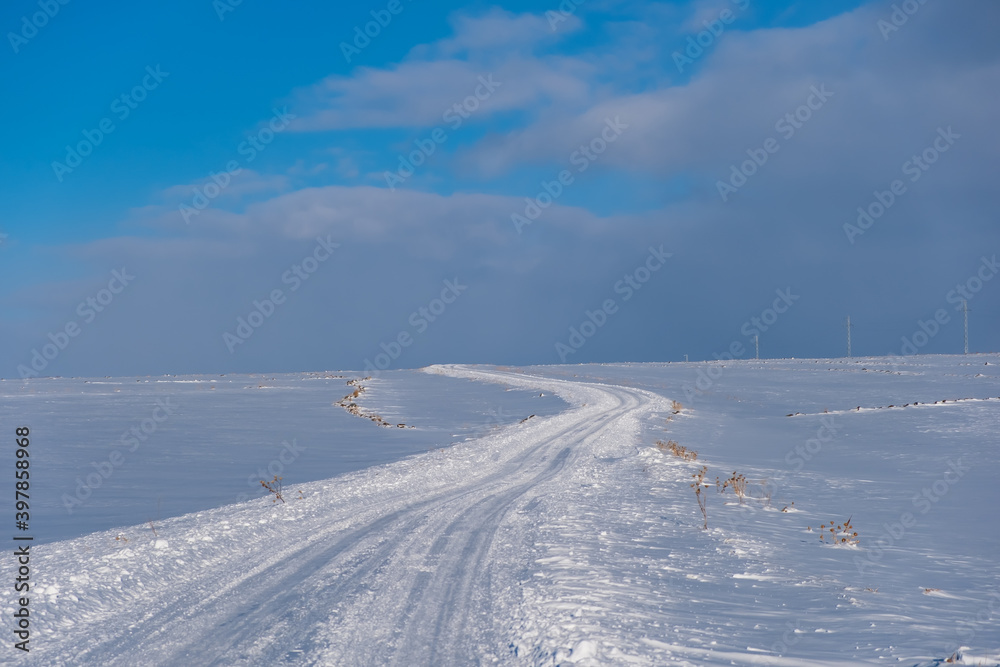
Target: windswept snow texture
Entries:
(571, 539)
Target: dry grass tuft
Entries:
(677, 450)
(841, 534)
(274, 486)
(698, 484)
(738, 483)
(347, 402)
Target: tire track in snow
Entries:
(431, 627)
(416, 579)
(446, 584)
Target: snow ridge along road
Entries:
(399, 564)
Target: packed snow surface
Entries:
(574, 539)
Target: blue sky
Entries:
(740, 136)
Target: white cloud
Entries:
(749, 80)
(498, 31)
(371, 214)
(417, 94)
(246, 182)
(418, 91)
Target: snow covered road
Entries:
(572, 539)
(402, 571)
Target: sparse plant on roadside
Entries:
(738, 483)
(677, 450)
(698, 485)
(838, 534)
(677, 407)
(159, 501)
(765, 494)
(347, 402)
(274, 486)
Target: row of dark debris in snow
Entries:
(347, 402)
(906, 405)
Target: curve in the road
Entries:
(409, 587)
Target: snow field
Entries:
(572, 540)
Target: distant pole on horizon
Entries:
(965, 317)
(685, 357)
(849, 336)
(756, 346)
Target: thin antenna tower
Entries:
(756, 346)
(849, 325)
(965, 317)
